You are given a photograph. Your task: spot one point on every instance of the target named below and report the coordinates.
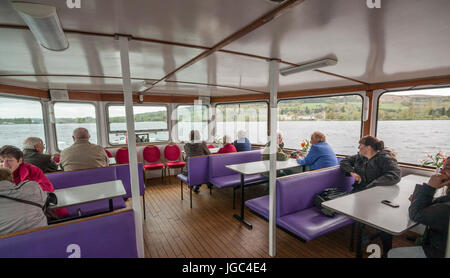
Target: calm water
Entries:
(410, 139)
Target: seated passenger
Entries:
(227, 146)
(281, 155)
(433, 213)
(242, 143)
(16, 215)
(372, 166)
(33, 149)
(195, 148)
(83, 154)
(12, 158)
(321, 155)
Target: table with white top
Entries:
(214, 150)
(111, 160)
(366, 208)
(89, 193)
(257, 167)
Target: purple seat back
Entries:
(198, 170)
(96, 175)
(297, 192)
(123, 173)
(218, 162)
(109, 236)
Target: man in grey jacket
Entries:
(33, 153)
(17, 216)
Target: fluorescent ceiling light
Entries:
(44, 24)
(309, 66)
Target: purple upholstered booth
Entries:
(89, 176)
(197, 173)
(221, 177)
(296, 211)
(107, 236)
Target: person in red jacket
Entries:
(12, 158)
(228, 146)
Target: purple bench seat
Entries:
(197, 173)
(221, 177)
(62, 180)
(107, 236)
(296, 211)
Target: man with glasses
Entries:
(33, 153)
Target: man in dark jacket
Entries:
(33, 149)
(432, 213)
(372, 166)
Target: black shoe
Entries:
(209, 185)
(196, 189)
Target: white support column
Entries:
(132, 153)
(273, 82)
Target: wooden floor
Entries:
(173, 230)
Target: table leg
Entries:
(111, 208)
(241, 217)
(386, 240)
(359, 236)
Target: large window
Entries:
(150, 123)
(192, 117)
(19, 119)
(338, 117)
(251, 117)
(69, 116)
(415, 123)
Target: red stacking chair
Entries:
(122, 156)
(152, 154)
(108, 153)
(211, 147)
(172, 153)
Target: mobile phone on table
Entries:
(389, 203)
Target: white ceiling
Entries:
(404, 39)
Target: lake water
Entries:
(411, 140)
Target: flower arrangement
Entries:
(305, 144)
(436, 160)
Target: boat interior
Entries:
(208, 55)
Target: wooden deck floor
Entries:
(173, 230)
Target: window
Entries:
(338, 117)
(192, 117)
(19, 119)
(150, 123)
(69, 116)
(251, 117)
(415, 123)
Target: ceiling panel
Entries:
(402, 40)
(252, 73)
(197, 22)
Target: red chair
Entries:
(108, 153)
(122, 156)
(152, 154)
(211, 147)
(172, 153)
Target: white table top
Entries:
(214, 150)
(111, 161)
(366, 207)
(258, 167)
(89, 193)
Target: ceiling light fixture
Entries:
(144, 86)
(309, 66)
(44, 23)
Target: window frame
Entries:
(378, 109)
(341, 95)
(44, 121)
(245, 102)
(188, 104)
(97, 125)
(108, 130)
